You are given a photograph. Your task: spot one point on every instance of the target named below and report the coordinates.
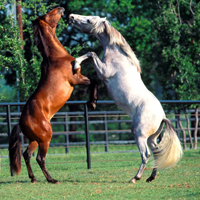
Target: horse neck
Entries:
(104, 40)
(53, 49)
(109, 49)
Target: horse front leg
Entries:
(98, 65)
(103, 72)
(93, 95)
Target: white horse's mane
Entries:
(116, 38)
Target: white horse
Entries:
(120, 71)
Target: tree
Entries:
(24, 62)
(177, 49)
(163, 34)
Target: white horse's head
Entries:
(87, 24)
(95, 25)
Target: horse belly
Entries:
(59, 97)
(122, 97)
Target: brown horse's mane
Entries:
(36, 34)
(38, 42)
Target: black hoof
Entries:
(34, 180)
(150, 179)
(53, 181)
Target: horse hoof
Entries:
(133, 180)
(56, 182)
(91, 105)
(34, 180)
(150, 179)
(53, 181)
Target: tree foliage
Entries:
(177, 49)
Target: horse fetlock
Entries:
(91, 54)
(133, 180)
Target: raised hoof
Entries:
(150, 179)
(91, 105)
(34, 180)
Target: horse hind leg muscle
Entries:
(27, 156)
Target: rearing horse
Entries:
(56, 84)
(120, 71)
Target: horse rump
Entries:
(15, 150)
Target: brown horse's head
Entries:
(52, 17)
(49, 20)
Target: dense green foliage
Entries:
(164, 35)
(108, 179)
(22, 64)
(177, 49)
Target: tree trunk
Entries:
(189, 133)
(181, 127)
(19, 19)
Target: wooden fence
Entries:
(108, 123)
(186, 124)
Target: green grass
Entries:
(108, 178)
(82, 149)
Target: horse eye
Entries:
(88, 21)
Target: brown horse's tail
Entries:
(169, 150)
(15, 150)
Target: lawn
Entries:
(108, 178)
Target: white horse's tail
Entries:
(169, 150)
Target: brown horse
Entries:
(56, 84)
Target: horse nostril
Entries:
(71, 19)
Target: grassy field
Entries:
(108, 178)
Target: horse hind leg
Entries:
(27, 156)
(43, 148)
(145, 154)
(152, 143)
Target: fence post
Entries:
(106, 133)
(120, 128)
(188, 129)
(8, 120)
(196, 127)
(66, 135)
(87, 136)
(182, 129)
(9, 127)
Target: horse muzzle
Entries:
(61, 10)
(71, 19)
